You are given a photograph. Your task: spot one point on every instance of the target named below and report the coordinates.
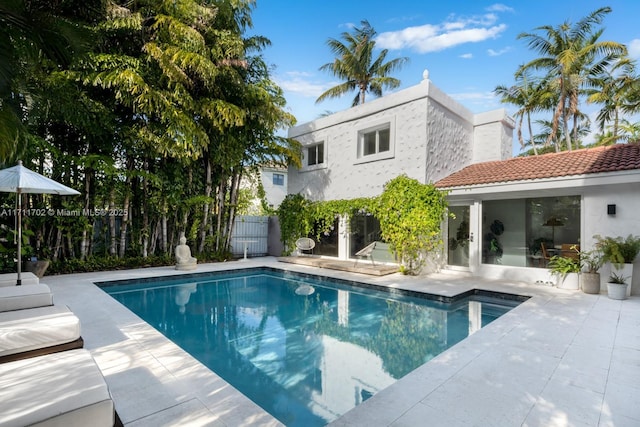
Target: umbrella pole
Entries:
(19, 281)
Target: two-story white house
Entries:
(419, 131)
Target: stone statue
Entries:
(184, 260)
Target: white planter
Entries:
(617, 290)
(571, 281)
(627, 272)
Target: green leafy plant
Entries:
(617, 278)
(410, 215)
(295, 220)
(618, 250)
(564, 265)
(591, 261)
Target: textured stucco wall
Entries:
(432, 134)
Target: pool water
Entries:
(305, 349)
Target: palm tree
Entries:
(612, 89)
(531, 96)
(570, 54)
(354, 64)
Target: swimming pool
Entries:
(304, 348)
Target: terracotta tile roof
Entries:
(613, 158)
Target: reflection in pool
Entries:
(305, 349)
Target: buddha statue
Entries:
(184, 260)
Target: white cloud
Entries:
(492, 52)
(466, 56)
(634, 48)
(433, 38)
(302, 83)
(499, 7)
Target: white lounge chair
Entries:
(27, 296)
(36, 331)
(61, 389)
(366, 252)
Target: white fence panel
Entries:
(251, 232)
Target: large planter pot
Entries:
(590, 283)
(569, 281)
(617, 290)
(37, 267)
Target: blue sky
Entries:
(469, 47)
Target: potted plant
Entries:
(617, 286)
(591, 261)
(567, 270)
(620, 252)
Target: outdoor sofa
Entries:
(36, 331)
(60, 389)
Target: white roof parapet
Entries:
(498, 115)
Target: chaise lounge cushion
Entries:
(10, 279)
(37, 328)
(27, 296)
(61, 389)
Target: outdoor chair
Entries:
(305, 244)
(61, 389)
(545, 255)
(36, 331)
(366, 252)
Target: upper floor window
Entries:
(315, 154)
(278, 179)
(376, 142)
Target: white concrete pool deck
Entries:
(563, 358)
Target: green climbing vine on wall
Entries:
(410, 215)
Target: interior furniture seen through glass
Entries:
(527, 232)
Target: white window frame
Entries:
(376, 127)
(273, 179)
(305, 161)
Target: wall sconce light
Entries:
(611, 209)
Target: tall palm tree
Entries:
(530, 96)
(569, 54)
(356, 65)
(612, 89)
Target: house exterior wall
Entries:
(274, 194)
(432, 136)
(596, 192)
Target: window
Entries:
(514, 230)
(376, 142)
(315, 154)
(278, 179)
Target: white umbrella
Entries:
(18, 179)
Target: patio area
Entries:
(562, 358)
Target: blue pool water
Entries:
(305, 349)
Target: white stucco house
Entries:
(504, 208)
(419, 131)
(274, 182)
(560, 199)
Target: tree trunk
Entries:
(125, 206)
(533, 143)
(112, 224)
(207, 192)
